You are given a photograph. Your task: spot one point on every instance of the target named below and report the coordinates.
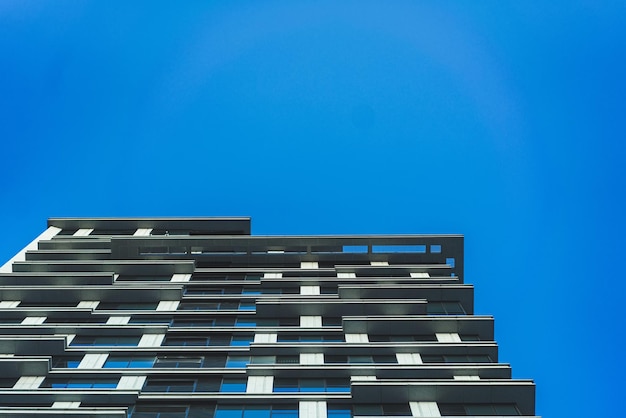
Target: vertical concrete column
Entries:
(344, 275)
(34, 320)
(409, 358)
(168, 305)
(448, 337)
(83, 232)
(310, 321)
(131, 382)
(265, 337)
(310, 290)
(88, 304)
(260, 384)
(151, 340)
(309, 265)
(312, 358)
(9, 303)
(180, 277)
(419, 275)
(29, 382)
(357, 338)
(142, 232)
(118, 320)
(93, 361)
(272, 275)
(312, 409)
(424, 409)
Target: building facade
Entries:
(195, 317)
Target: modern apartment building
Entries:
(195, 317)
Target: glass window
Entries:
(172, 411)
(444, 308)
(402, 409)
(66, 362)
(131, 306)
(256, 411)
(478, 409)
(311, 385)
(233, 385)
(310, 338)
(237, 361)
(127, 362)
(63, 383)
(175, 362)
(474, 358)
(93, 340)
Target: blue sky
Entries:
(500, 120)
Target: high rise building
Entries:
(194, 317)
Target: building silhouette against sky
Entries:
(194, 317)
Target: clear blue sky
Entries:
(501, 120)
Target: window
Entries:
(93, 340)
(207, 384)
(444, 308)
(217, 306)
(309, 338)
(478, 409)
(228, 277)
(465, 337)
(399, 409)
(128, 306)
(178, 362)
(172, 411)
(275, 360)
(128, 278)
(338, 411)
(7, 382)
(462, 358)
(360, 359)
(66, 362)
(401, 338)
(63, 383)
(124, 362)
(256, 411)
(233, 385)
(311, 385)
(76, 320)
(229, 290)
(213, 339)
(237, 361)
(46, 304)
(331, 322)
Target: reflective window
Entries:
(256, 411)
(472, 358)
(205, 384)
(401, 338)
(210, 340)
(444, 308)
(127, 362)
(311, 385)
(217, 306)
(237, 361)
(93, 340)
(66, 362)
(177, 362)
(172, 411)
(310, 338)
(129, 306)
(399, 409)
(478, 409)
(63, 383)
(360, 359)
